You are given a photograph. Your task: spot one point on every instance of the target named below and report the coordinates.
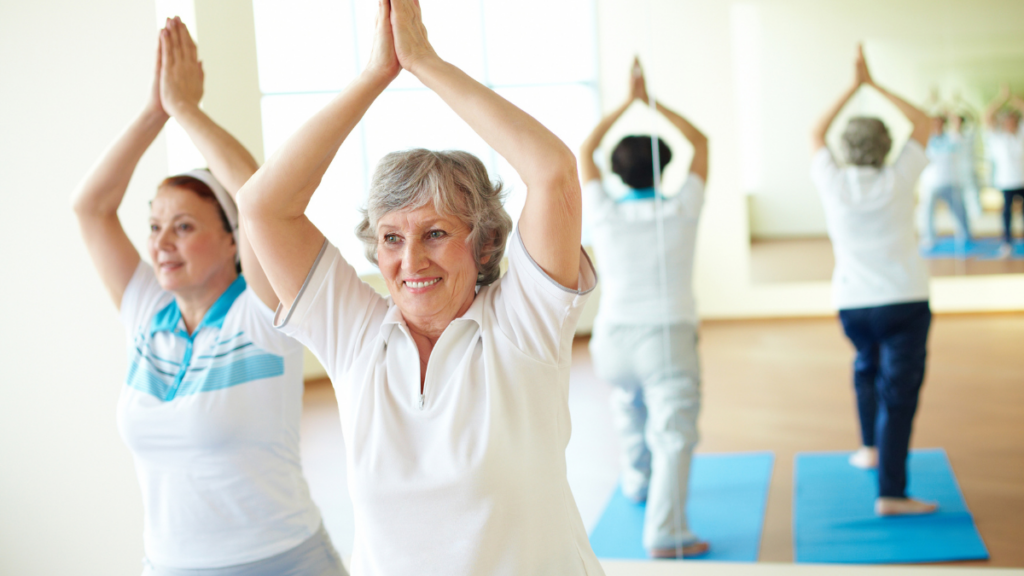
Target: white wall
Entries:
(74, 74)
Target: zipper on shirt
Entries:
(419, 404)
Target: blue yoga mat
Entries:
(979, 248)
(834, 518)
(728, 493)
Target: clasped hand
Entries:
(178, 80)
(400, 39)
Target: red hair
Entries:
(199, 188)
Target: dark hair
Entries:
(199, 188)
(632, 160)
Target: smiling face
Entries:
(428, 266)
(188, 245)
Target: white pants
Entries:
(314, 557)
(655, 403)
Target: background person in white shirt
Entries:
(213, 398)
(1004, 144)
(453, 392)
(880, 283)
(943, 180)
(655, 372)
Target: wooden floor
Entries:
(784, 386)
(811, 260)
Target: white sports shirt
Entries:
(212, 422)
(870, 217)
(1007, 154)
(625, 237)
(468, 479)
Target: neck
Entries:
(195, 303)
(426, 331)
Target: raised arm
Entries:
(820, 130)
(181, 89)
(98, 196)
(588, 168)
(272, 204)
(551, 221)
(697, 139)
(993, 107)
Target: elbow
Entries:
(249, 205)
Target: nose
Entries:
(164, 240)
(415, 258)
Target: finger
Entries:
(188, 44)
(165, 47)
(159, 51)
(176, 38)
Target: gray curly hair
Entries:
(458, 185)
(866, 141)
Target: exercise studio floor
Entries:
(784, 386)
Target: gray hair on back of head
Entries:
(458, 185)
(866, 141)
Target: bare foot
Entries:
(903, 507)
(698, 548)
(866, 458)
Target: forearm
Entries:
(284, 185)
(101, 192)
(820, 130)
(690, 132)
(537, 155)
(917, 117)
(231, 164)
(588, 169)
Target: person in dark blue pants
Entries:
(891, 346)
(880, 283)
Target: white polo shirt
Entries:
(870, 217)
(471, 480)
(212, 421)
(625, 236)
(1007, 154)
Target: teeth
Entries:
(422, 284)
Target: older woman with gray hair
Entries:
(453, 391)
(880, 282)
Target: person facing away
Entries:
(1004, 144)
(645, 335)
(452, 392)
(943, 179)
(211, 406)
(880, 282)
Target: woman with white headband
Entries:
(211, 406)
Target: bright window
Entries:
(308, 50)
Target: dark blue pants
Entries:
(1008, 196)
(891, 344)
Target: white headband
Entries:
(223, 198)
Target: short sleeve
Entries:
(910, 164)
(824, 170)
(141, 298)
(537, 313)
(691, 195)
(335, 313)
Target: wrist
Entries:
(154, 113)
(426, 65)
(378, 78)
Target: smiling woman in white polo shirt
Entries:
(212, 402)
(453, 392)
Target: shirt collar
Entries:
(635, 194)
(167, 319)
(393, 318)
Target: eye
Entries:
(391, 239)
(154, 228)
(184, 227)
(435, 234)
